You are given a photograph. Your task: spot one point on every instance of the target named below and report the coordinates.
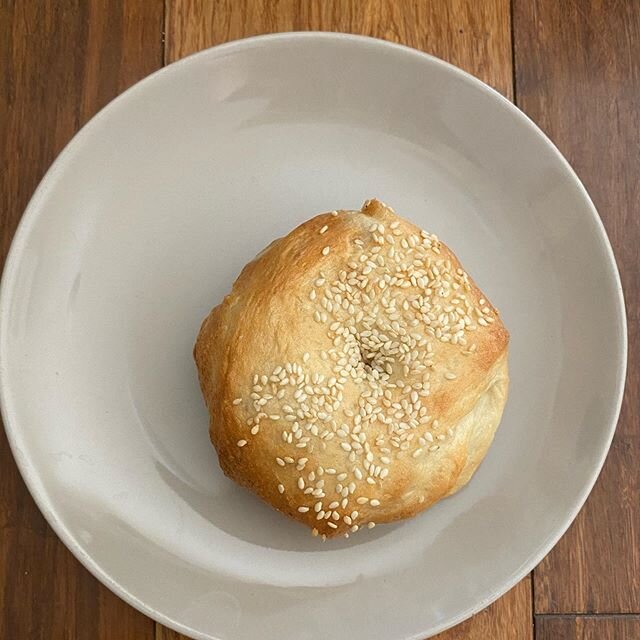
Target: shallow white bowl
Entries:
(141, 226)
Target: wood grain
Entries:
(59, 63)
(162, 633)
(587, 627)
(473, 35)
(578, 75)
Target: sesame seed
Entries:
(241, 443)
(281, 488)
(326, 226)
(237, 401)
(303, 509)
(374, 502)
(325, 251)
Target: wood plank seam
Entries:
(626, 616)
(514, 79)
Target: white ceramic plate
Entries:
(141, 226)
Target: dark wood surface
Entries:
(578, 75)
(572, 65)
(59, 63)
(473, 35)
(588, 628)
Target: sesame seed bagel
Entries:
(355, 374)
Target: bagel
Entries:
(355, 375)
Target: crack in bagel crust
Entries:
(355, 374)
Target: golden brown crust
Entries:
(355, 373)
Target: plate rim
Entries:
(31, 216)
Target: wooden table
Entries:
(572, 65)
